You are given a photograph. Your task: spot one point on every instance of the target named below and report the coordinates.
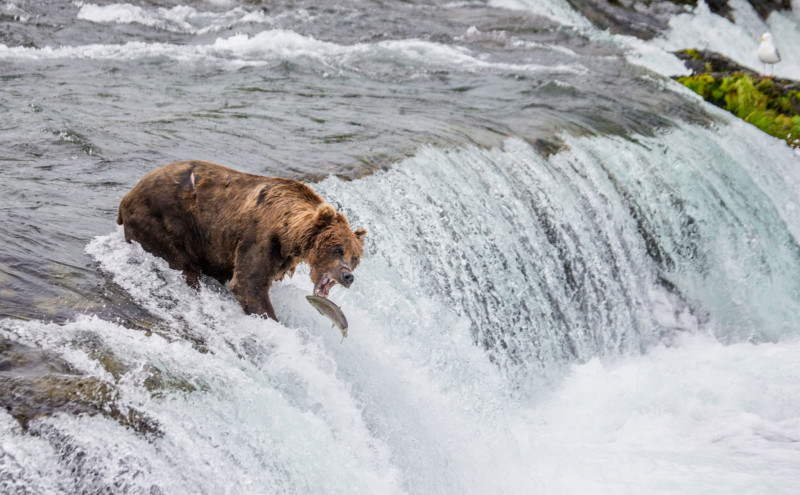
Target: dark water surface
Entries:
(93, 102)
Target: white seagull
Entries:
(768, 53)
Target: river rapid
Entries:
(579, 277)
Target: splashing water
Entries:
(620, 315)
(440, 387)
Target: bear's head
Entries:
(336, 250)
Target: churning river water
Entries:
(579, 277)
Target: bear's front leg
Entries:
(251, 281)
(254, 298)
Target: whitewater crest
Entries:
(180, 18)
(277, 45)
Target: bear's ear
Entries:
(360, 233)
(324, 215)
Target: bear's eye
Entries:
(355, 260)
(338, 251)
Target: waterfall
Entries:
(515, 317)
(604, 248)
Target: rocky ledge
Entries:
(771, 104)
(645, 19)
(36, 384)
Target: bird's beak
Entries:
(762, 39)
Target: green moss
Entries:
(27, 398)
(693, 53)
(36, 384)
(759, 101)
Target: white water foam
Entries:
(648, 54)
(276, 45)
(267, 412)
(181, 18)
(558, 10)
(290, 410)
(698, 418)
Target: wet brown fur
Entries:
(247, 229)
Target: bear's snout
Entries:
(347, 278)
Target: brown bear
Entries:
(247, 229)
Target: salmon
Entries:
(330, 310)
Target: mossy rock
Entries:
(35, 384)
(27, 398)
(772, 105)
(702, 61)
(158, 382)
